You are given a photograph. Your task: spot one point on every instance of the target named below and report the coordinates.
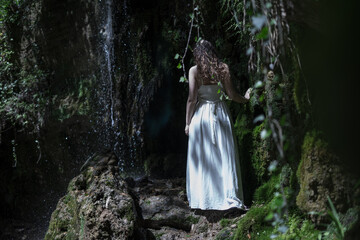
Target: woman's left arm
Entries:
(192, 99)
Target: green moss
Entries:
(72, 235)
(71, 185)
(299, 229)
(225, 222)
(266, 191)
(192, 219)
(144, 65)
(82, 227)
(241, 126)
(88, 175)
(76, 101)
(253, 226)
(260, 158)
(313, 144)
(127, 211)
(159, 235)
(224, 234)
(253, 222)
(243, 133)
(312, 141)
(63, 219)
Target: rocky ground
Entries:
(166, 213)
(100, 204)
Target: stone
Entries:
(95, 207)
(321, 174)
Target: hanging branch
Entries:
(177, 56)
(187, 44)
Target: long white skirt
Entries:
(213, 179)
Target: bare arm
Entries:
(192, 99)
(230, 89)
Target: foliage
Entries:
(75, 102)
(23, 92)
(334, 216)
(6, 7)
(194, 16)
(346, 223)
(225, 222)
(299, 229)
(314, 150)
(265, 192)
(253, 224)
(23, 101)
(260, 157)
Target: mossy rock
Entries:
(95, 207)
(321, 174)
(261, 154)
(265, 192)
(253, 224)
(224, 234)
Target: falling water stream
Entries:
(109, 53)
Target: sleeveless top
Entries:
(210, 93)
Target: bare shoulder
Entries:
(193, 70)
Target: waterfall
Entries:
(109, 53)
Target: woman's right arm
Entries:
(192, 99)
(229, 87)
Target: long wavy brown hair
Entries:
(209, 66)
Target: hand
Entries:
(187, 130)
(247, 94)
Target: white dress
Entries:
(213, 179)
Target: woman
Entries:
(213, 179)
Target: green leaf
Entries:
(249, 51)
(261, 98)
(340, 230)
(283, 229)
(179, 66)
(177, 56)
(182, 79)
(259, 118)
(258, 21)
(263, 34)
(258, 84)
(265, 134)
(269, 217)
(272, 166)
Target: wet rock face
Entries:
(320, 175)
(97, 206)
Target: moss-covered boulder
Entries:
(321, 174)
(262, 154)
(96, 206)
(253, 224)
